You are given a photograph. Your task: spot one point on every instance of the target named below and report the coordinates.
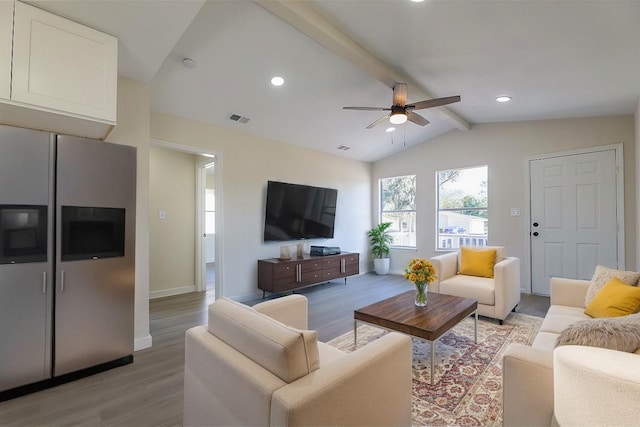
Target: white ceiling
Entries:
(556, 58)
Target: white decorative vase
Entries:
(381, 266)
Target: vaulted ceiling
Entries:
(555, 58)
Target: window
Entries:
(210, 211)
(462, 207)
(398, 206)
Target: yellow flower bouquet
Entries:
(421, 273)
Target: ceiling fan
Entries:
(400, 111)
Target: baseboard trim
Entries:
(142, 343)
(172, 292)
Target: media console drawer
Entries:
(276, 275)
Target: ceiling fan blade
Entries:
(435, 102)
(417, 118)
(400, 94)
(366, 108)
(377, 122)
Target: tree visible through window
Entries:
(398, 206)
(463, 208)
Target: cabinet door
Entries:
(6, 35)
(61, 65)
(94, 297)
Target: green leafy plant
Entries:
(380, 240)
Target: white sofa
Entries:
(569, 385)
(496, 296)
(260, 366)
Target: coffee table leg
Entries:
(475, 331)
(355, 334)
(433, 360)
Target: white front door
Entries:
(573, 216)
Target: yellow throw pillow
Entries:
(477, 262)
(615, 299)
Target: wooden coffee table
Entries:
(429, 323)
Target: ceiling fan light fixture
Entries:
(398, 118)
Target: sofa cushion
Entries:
(603, 274)
(615, 333)
(478, 288)
(615, 299)
(545, 341)
(287, 352)
(559, 317)
(477, 262)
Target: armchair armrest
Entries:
(527, 377)
(371, 386)
(446, 266)
(570, 292)
(596, 386)
(291, 310)
(506, 274)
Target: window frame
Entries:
(382, 211)
(474, 238)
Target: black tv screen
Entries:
(296, 212)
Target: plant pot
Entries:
(381, 265)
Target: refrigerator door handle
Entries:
(61, 280)
(44, 282)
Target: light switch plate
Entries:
(162, 214)
(515, 211)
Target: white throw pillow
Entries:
(603, 274)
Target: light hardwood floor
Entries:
(148, 392)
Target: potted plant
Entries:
(380, 240)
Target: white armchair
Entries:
(496, 296)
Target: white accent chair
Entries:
(246, 368)
(496, 296)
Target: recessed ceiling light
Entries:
(417, 1)
(391, 129)
(188, 62)
(277, 81)
(503, 98)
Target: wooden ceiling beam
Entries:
(304, 18)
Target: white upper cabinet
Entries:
(62, 65)
(6, 30)
(55, 74)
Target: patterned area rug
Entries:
(468, 376)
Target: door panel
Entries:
(25, 288)
(94, 303)
(573, 216)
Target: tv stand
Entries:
(276, 275)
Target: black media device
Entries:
(324, 250)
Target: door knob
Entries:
(535, 233)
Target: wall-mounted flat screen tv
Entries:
(296, 212)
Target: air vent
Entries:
(237, 118)
(344, 148)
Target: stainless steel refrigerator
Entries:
(67, 243)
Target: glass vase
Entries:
(420, 298)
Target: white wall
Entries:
(133, 129)
(247, 162)
(504, 147)
(637, 181)
(172, 238)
